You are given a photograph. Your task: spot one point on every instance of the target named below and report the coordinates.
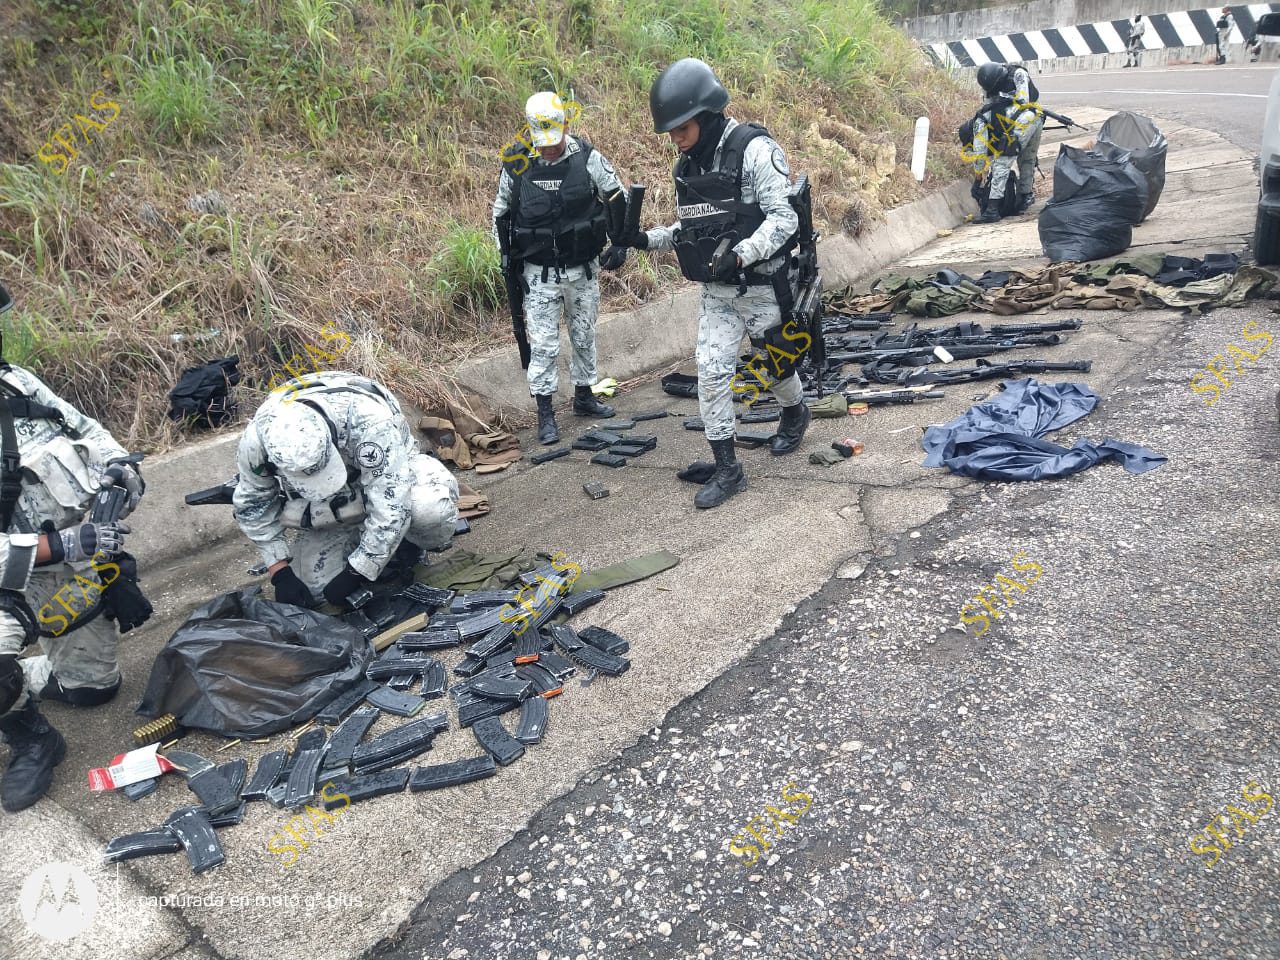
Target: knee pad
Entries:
(11, 682)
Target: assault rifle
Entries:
(907, 395)
(806, 308)
(1062, 118)
(982, 371)
(513, 274)
(962, 349)
(221, 494)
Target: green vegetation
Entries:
(353, 148)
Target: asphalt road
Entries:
(1230, 99)
(921, 792)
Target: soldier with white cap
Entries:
(559, 200)
(331, 456)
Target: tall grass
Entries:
(355, 143)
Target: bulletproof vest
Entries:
(75, 486)
(710, 207)
(557, 220)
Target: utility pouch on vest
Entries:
(63, 487)
(299, 514)
(694, 253)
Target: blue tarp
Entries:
(1000, 438)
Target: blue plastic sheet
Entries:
(1001, 438)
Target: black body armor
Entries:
(558, 219)
(710, 208)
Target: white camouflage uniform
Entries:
(405, 494)
(1137, 28)
(1026, 125)
(724, 316)
(576, 292)
(61, 477)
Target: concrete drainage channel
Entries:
(631, 343)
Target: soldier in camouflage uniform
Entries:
(54, 568)
(331, 456)
(556, 197)
(1008, 127)
(732, 182)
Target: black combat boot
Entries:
(990, 212)
(791, 428)
(726, 481)
(35, 748)
(585, 404)
(548, 432)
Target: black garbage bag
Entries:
(1097, 197)
(244, 666)
(203, 397)
(1146, 146)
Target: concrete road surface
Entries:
(1030, 790)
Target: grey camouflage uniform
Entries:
(405, 494)
(724, 316)
(67, 472)
(1026, 127)
(575, 292)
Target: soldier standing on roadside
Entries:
(557, 201)
(732, 183)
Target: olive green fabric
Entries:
(829, 407)
(627, 571)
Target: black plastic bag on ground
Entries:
(202, 397)
(243, 666)
(1097, 197)
(1146, 146)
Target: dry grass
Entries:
(352, 148)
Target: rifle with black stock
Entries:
(211, 496)
(513, 274)
(806, 307)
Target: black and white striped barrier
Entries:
(1188, 28)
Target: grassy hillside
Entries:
(246, 171)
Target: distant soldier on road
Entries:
(1137, 27)
(1226, 23)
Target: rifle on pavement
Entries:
(513, 273)
(906, 395)
(905, 376)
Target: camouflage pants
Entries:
(723, 319)
(577, 295)
(1026, 157)
(320, 555)
(84, 652)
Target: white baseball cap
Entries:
(297, 441)
(545, 113)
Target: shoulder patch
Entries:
(780, 161)
(370, 456)
(606, 166)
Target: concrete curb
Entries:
(630, 343)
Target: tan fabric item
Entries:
(446, 442)
(472, 503)
(1031, 292)
(487, 462)
(494, 441)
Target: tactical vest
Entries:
(557, 219)
(710, 208)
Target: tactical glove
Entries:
(289, 589)
(85, 541)
(725, 266)
(613, 258)
(127, 475)
(638, 241)
(342, 586)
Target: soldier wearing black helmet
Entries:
(736, 226)
(1005, 129)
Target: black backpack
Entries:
(203, 397)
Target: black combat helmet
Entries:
(682, 91)
(991, 76)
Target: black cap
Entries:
(682, 91)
